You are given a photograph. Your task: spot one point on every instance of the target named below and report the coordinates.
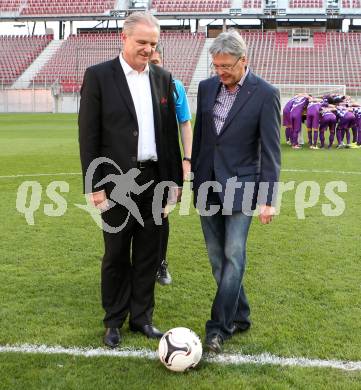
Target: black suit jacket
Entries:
(247, 147)
(108, 124)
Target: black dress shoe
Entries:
(214, 343)
(148, 330)
(240, 327)
(112, 337)
(163, 276)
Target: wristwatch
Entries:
(187, 159)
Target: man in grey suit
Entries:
(236, 164)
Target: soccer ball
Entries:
(180, 349)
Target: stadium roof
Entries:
(233, 14)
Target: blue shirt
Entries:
(181, 103)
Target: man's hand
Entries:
(266, 213)
(99, 200)
(174, 196)
(186, 165)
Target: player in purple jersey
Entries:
(345, 120)
(286, 120)
(357, 123)
(349, 102)
(328, 121)
(296, 113)
(313, 121)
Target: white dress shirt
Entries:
(139, 85)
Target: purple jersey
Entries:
(325, 99)
(328, 119)
(313, 115)
(299, 104)
(296, 114)
(345, 118)
(286, 113)
(357, 122)
(327, 114)
(314, 107)
(341, 111)
(357, 112)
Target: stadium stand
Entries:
(306, 4)
(78, 52)
(17, 53)
(351, 3)
(334, 58)
(181, 53)
(67, 7)
(10, 6)
(252, 4)
(330, 58)
(190, 5)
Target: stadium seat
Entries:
(181, 53)
(10, 6)
(252, 4)
(334, 58)
(199, 6)
(351, 3)
(67, 7)
(17, 53)
(306, 4)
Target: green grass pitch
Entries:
(303, 278)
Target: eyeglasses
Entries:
(225, 67)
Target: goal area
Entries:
(317, 90)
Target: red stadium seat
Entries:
(190, 5)
(334, 58)
(67, 7)
(17, 53)
(306, 4)
(181, 53)
(252, 4)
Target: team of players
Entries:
(338, 114)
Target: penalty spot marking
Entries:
(231, 359)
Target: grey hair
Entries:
(159, 50)
(229, 42)
(139, 17)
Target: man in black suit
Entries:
(127, 117)
(235, 155)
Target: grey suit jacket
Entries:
(247, 148)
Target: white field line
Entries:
(232, 359)
(40, 174)
(321, 171)
(78, 173)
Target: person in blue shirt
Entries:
(184, 117)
